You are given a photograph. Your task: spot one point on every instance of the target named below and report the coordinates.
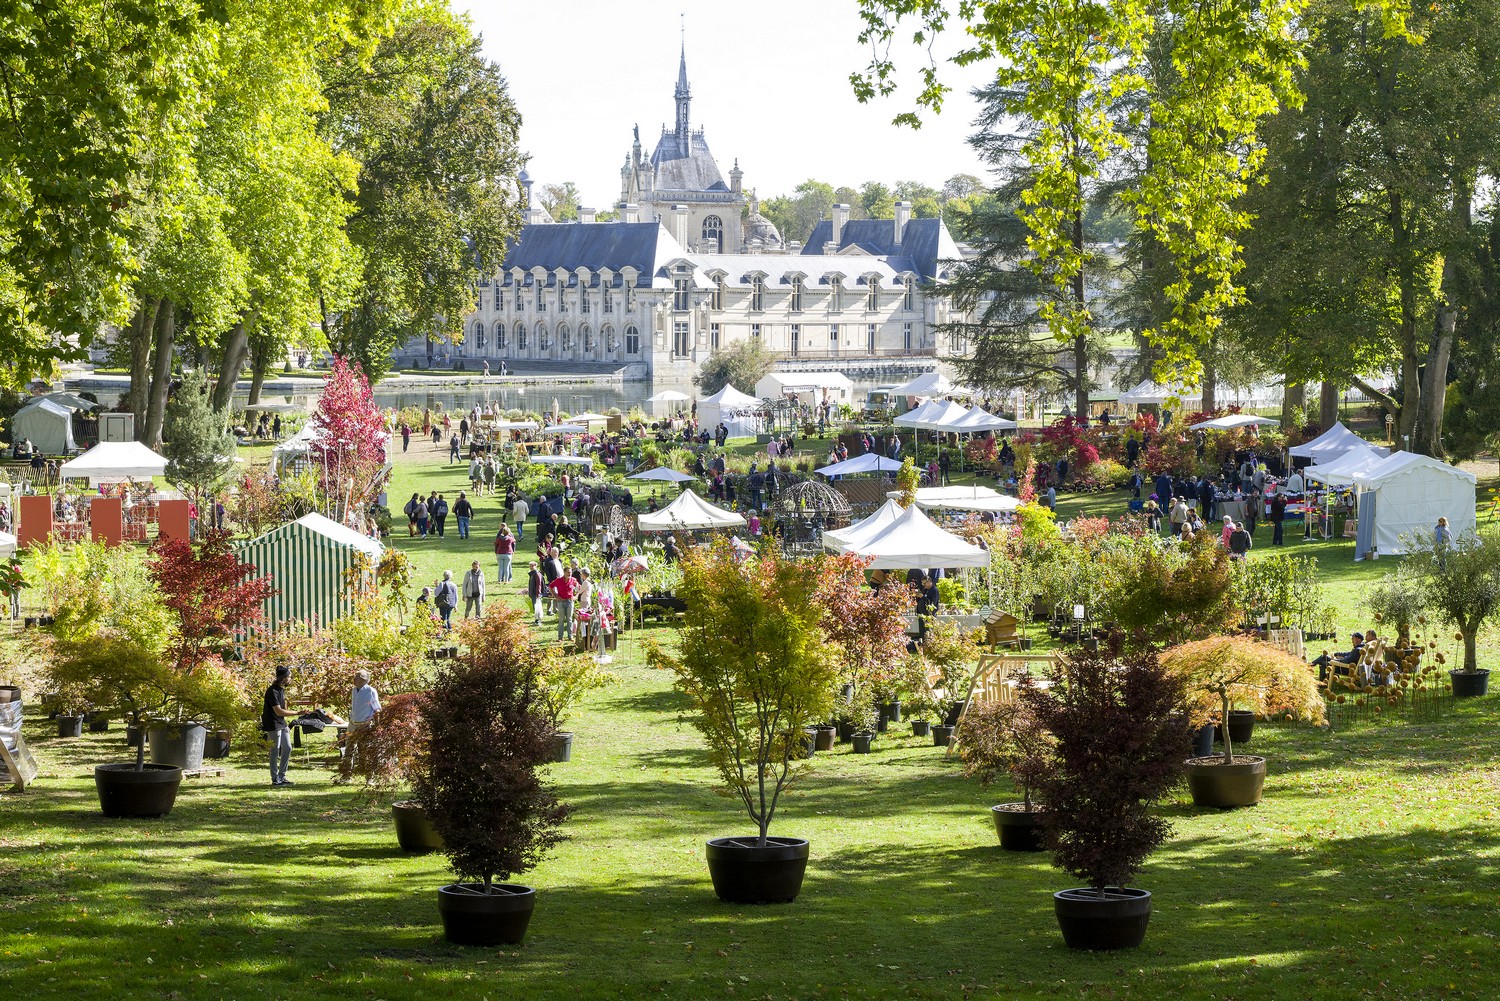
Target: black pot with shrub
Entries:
(1008, 739)
(490, 733)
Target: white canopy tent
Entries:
(1146, 392)
(734, 409)
(588, 418)
(928, 384)
(809, 387)
(1341, 469)
(844, 539)
(1231, 422)
(565, 429)
(941, 417)
(8, 544)
(913, 542)
(1405, 492)
(113, 461)
(870, 462)
(661, 474)
(667, 396)
(46, 424)
(70, 400)
(688, 512)
(562, 460)
(914, 418)
(1331, 444)
(964, 499)
(979, 419)
(515, 425)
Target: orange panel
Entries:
(107, 520)
(36, 519)
(172, 520)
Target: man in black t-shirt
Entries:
(273, 717)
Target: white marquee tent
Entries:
(913, 542)
(979, 419)
(1332, 443)
(734, 409)
(913, 418)
(938, 415)
(857, 534)
(687, 512)
(46, 424)
(113, 461)
(8, 544)
(1340, 470)
(1405, 492)
(1231, 422)
(808, 387)
(928, 384)
(1147, 392)
(964, 499)
(870, 462)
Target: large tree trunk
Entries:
(1406, 271)
(1328, 404)
(161, 375)
(236, 345)
(1293, 397)
(141, 331)
(1429, 438)
(1210, 386)
(258, 365)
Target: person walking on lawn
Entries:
(423, 516)
(463, 511)
(273, 717)
(474, 591)
(520, 509)
(505, 548)
(564, 590)
(445, 598)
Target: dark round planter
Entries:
(414, 832)
(1115, 921)
(98, 724)
(1470, 686)
(70, 726)
(845, 730)
(562, 746)
(1203, 740)
(473, 917)
(825, 737)
(133, 736)
(1241, 727)
(745, 873)
(881, 724)
(862, 742)
(1019, 831)
(125, 792)
(892, 711)
(179, 744)
(216, 745)
(1214, 783)
(954, 712)
(809, 743)
(920, 728)
(941, 735)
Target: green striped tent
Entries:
(307, 559)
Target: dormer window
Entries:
(680, 288)
(541, 298)
(909, 298)
(795, 305)
(716, 301)
(758, 293)
(836, 295)
(873, 305)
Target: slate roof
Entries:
(926, 243)
(778, 268)
(693, 169)
(645, 246)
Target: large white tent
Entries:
(870, 462)
(1232, 422)
(915, 417)
(808, 387)
(938, 415)
(979, 419)
(113, 461)
(8, 544)
(913, 542)
(1146, 392)
(928, 384)
(46, 424)
(1332, 443)
(857, 534)
(732, 408)
(1405, 492)
(687, 512)
(1341, 470)
(964, 499)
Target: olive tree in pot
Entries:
(1460, 581)
(756, 665)
(1007, 738)
(489, 736)
(1119, 731)
(565, 680)
(1238, 671)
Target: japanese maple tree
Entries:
(210, 591)
(865, 625)
(349, 447)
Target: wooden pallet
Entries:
(198, 773)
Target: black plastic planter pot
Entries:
(862, 742)
(941, 735)
(745, 873)
(845, 730)
(473, 917)
(954, 712)
(414, 832)
(179, 744)
(1203, 740)
(70, 726)
(133, 736)
(1470, 685)
(562, 746)
(1115, 921)
(1241, 727)
(125, 792)
(892, 711)
(920, 728)
(1213, 783)
(881, 724)
(1019, 831)
(216, 745)
(98, 724)
(825, 737)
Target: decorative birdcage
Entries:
(804, 511)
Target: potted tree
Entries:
(921, 704)
(565, 680)
(867, 628)
(489, 736)
(757, 667)
(951, 653)
(1460, 581)
(1396, 602)
(1007, 738)
(1225, 671)
(1101, 788)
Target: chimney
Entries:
(831, 247)
(630, 212)
(736, 177)
(585, 215)
(840, 220)
(903, 213)
(679, 225)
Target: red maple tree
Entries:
(866, 625)
(212, 592)
(349, 447)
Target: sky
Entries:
(770, 85)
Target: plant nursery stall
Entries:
(307, 560)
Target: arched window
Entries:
(632, 341)
(500, 337)
(520, 337)
(611, 344)
(713, 234)
(565, 336)
(478, 337)
(543, 341)
(586, 337)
